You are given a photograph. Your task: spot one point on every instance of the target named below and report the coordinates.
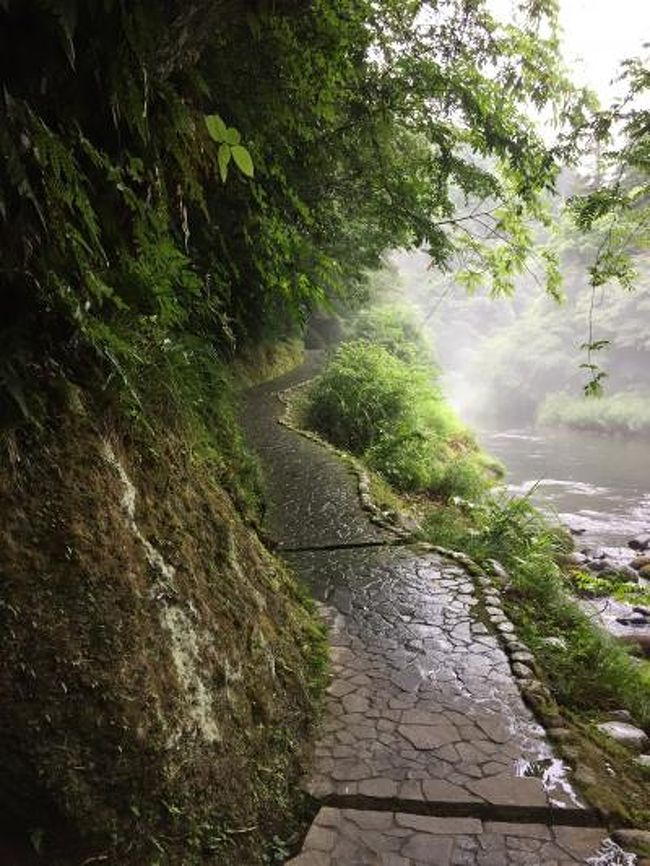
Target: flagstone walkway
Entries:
(427, 754)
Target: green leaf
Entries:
(224, 158)
(232, 136)
(67, 14)
(243, 160)
(216, 127)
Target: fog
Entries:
(500, 358)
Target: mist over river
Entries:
(595, 484)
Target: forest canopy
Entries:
(335, 129)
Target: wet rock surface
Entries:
(423, 705)
(312, 497)
(346, 837)
(625, 734)
(427, 753)
(626, 622)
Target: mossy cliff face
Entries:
(155, 684)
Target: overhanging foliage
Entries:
(354, 126)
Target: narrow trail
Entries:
(427, 754)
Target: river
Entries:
(597, 485)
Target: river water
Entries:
(597, 485)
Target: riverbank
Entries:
(427, 752)
(626, 414)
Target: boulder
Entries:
(639, 561)
(599, 565)
(634, 619)
(555, 642)
(641, 542)
(637, 638)
(627, 573)
(571, 559)
(619, 716)
(625, 734)
(644, 571)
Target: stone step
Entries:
(354, 837)
(501, 808)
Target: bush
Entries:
(388, 410)
(363, 394)
(618, 413)
(394, 328)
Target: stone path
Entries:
(312, 496)
(427, 754)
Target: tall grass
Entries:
(627, 413)
(382, 405)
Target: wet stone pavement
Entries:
(312, 498)
(427, 754)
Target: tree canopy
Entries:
(215, 169)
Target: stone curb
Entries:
(522, 661)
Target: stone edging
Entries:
(400, 526)
(522, 661)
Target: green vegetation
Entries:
(394, 328)
(381, 402)
(614, 584)
(181, 185)
(593, 673)
(390, 413)
(627, 413)
(148, 191)
(76, 571)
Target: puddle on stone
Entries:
(611, 855)
(554, 775)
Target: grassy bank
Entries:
(378, 403)
(627, 413)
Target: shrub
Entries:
(389, 411)
(363, 393)
(394, 328)
(618, 413)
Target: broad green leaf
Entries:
(216, 127)
(243, 160)
(224, 158)
(232, 136)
